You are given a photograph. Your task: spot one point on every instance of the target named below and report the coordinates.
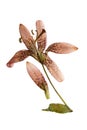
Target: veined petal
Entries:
(37, 77)
(26, 36)
(43, 38)
(19, 56)
(53, 69)
(61, 48)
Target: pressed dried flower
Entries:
(37, 77)
(36, 49)
(61, 48)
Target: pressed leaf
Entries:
(53, 69)
(37, 77)
(61, 48)
(43, 38)
(26, 36)
(19, 56)
(58, 108)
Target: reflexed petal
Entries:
(26, 36)
(19, 56)
(43, 38)
(53, 69)
(37, 77)
(62, 48)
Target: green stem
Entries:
(55, 89)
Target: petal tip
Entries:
(20, 24)
(27, 63)
(9, 65)
(76, 48)
(61, 80)
(38, 21)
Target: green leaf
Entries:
(58, 108)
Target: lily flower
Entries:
(37, 49)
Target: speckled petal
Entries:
(19, 56)
(61, 48)
(43, 38)
(26, 36)
(37, 77)
(53, 69)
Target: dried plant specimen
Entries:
(37, 49)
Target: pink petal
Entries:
(53, 69)
(26, 36)
(37, 77)
(19, 56)
(43, 38)
(62, 48)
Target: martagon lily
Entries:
(36, 47)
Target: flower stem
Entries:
(55, 89)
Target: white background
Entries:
(21, 100)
